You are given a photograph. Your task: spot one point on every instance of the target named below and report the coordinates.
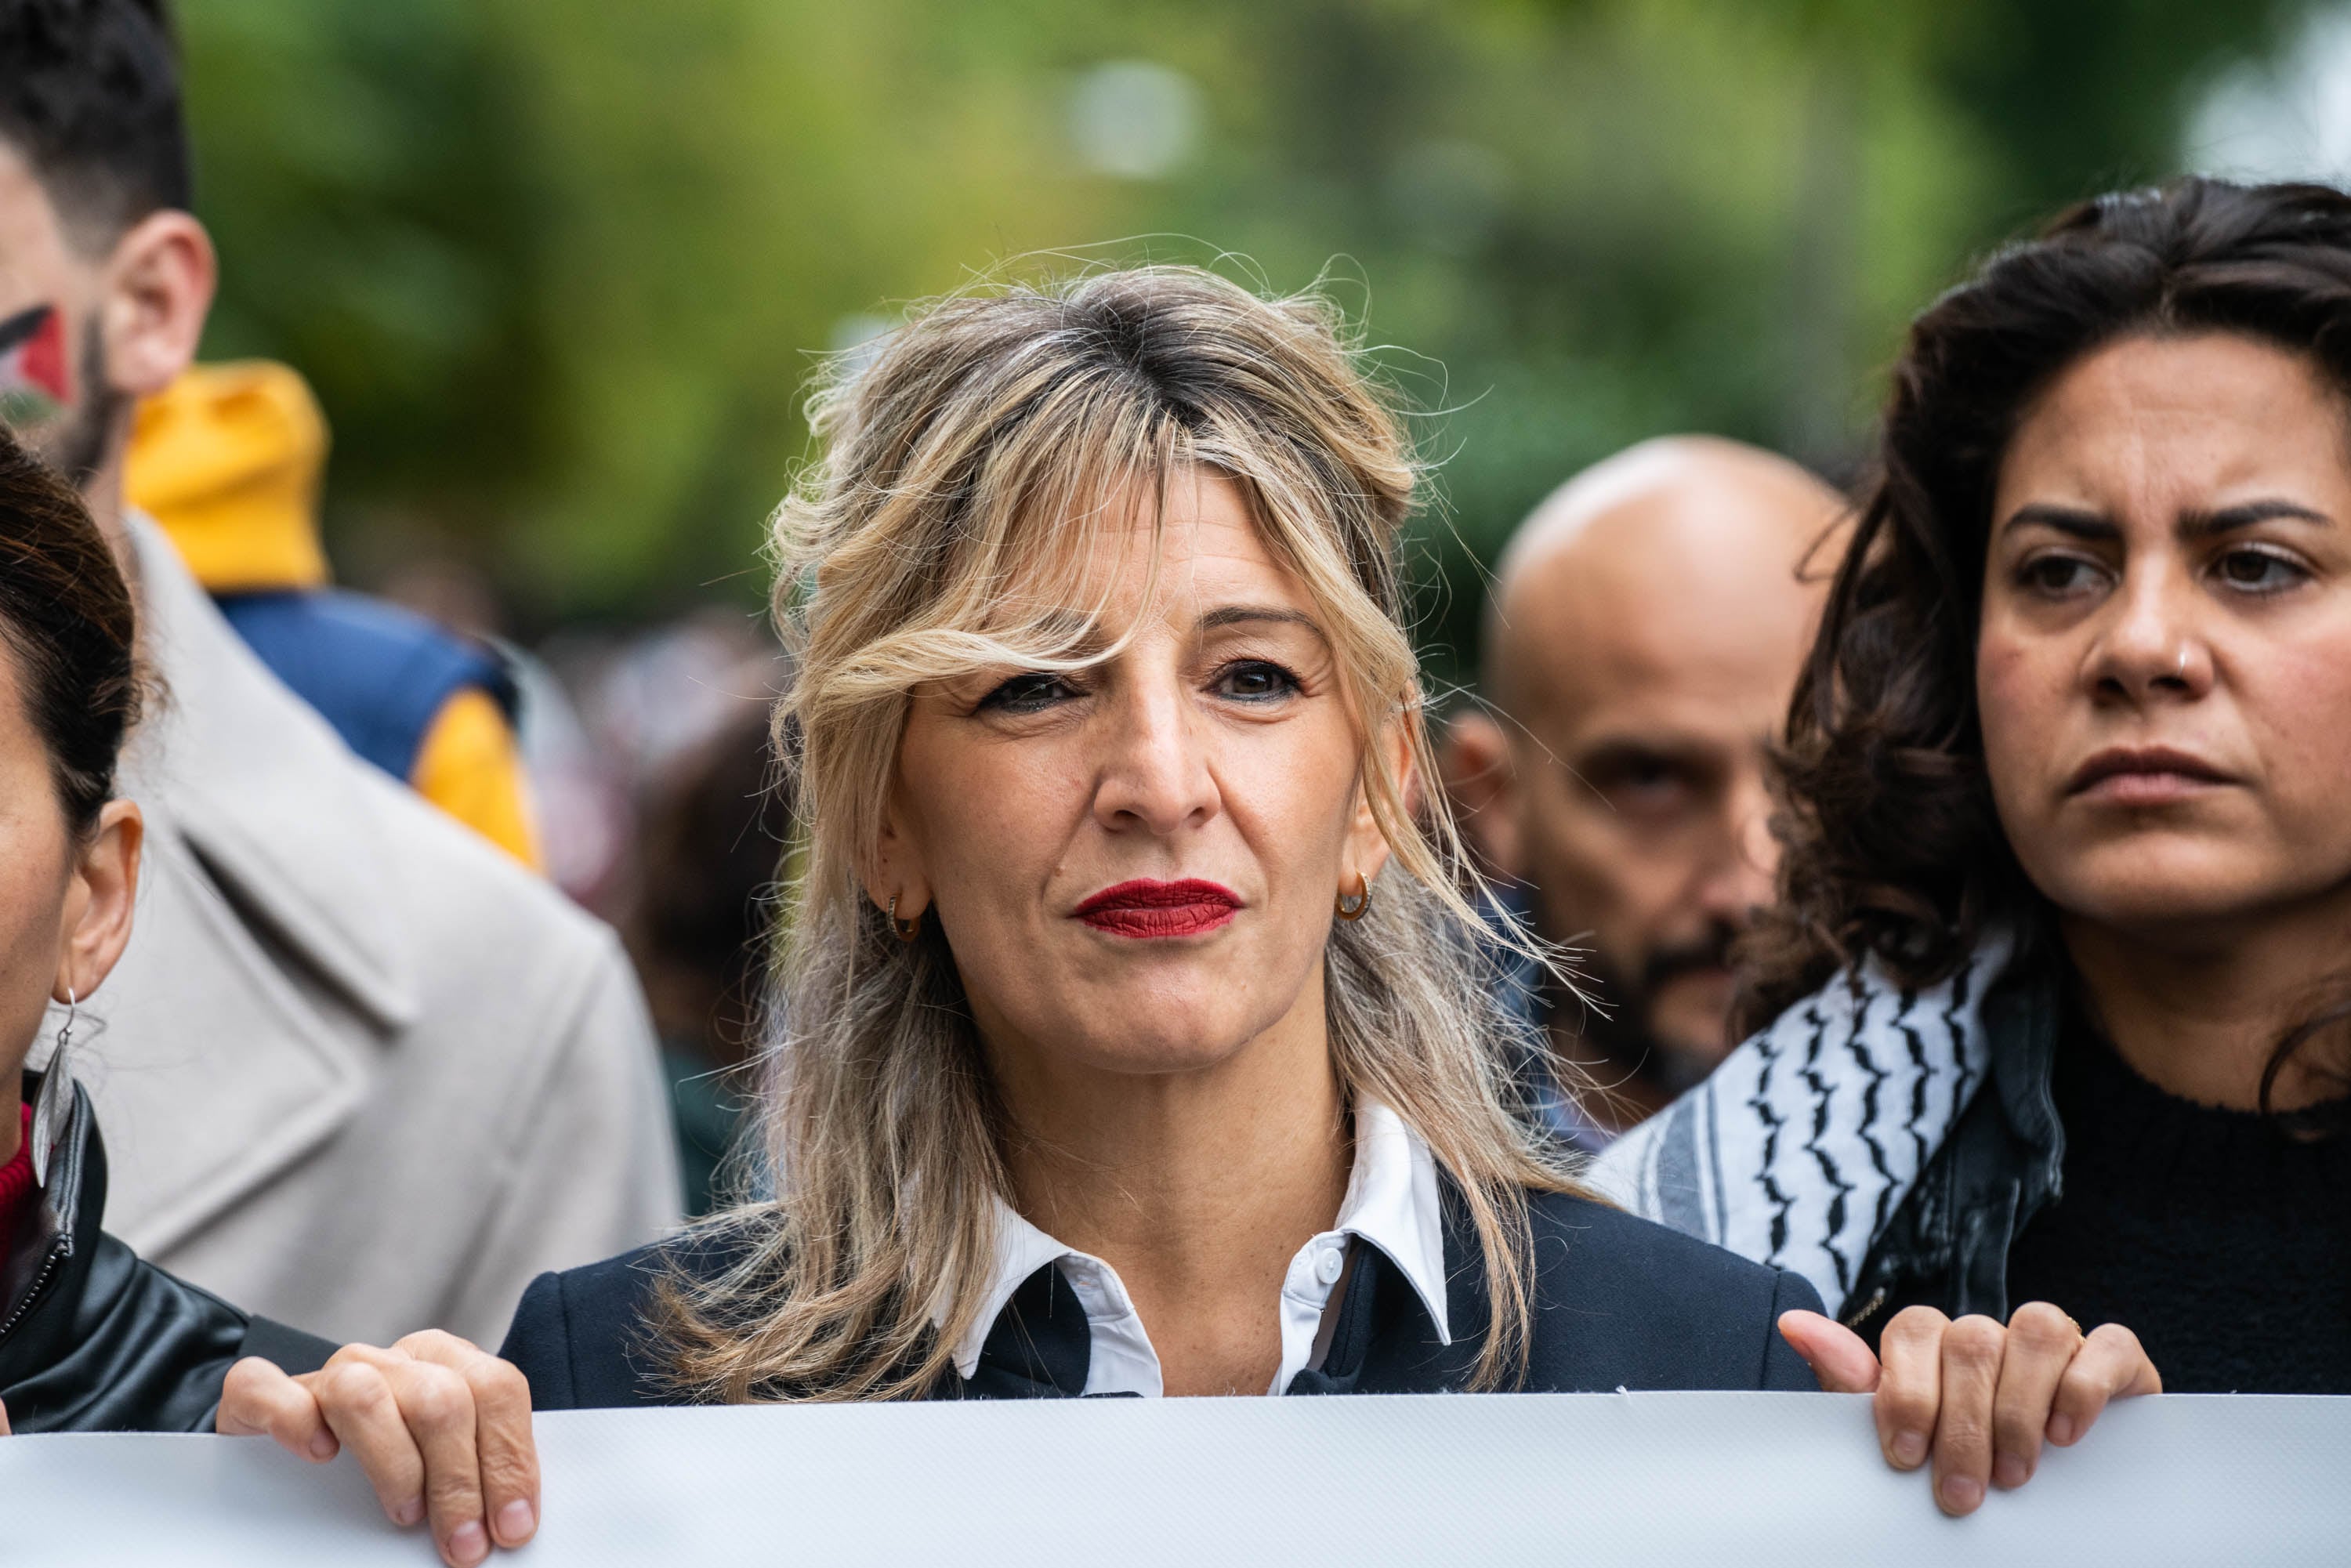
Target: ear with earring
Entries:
(1353, 908)
(910, 929)
(51, 1106)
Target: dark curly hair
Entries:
(66, 616)
(1891, 846)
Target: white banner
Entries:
(1745, 1479)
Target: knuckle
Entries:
(1907, 1406)
(1974, 1338)
(2017, 1430)
(1964, 1434)
(2042, 1327)
(249, 1403)
(247, 1377)
(1914, 1325)
(354, 1385)
(506, 1474)
(2114, 1338)
(431, 1344)
(2088, 1385)
(2081, 1384)
(437, 1403)
(455, 1492)
(495, 1381)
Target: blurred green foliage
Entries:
(558, 268)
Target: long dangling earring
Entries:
(1353, 908)
(910, 930)
(55, 1098)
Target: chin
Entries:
(1157, 1051)
(1158, 1030)
(2170, 884)
(1690, 1019)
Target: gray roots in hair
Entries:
(971, 472)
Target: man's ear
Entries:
(100, 901)
(159, 289)
(1482, 780)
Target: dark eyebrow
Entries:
(2227, 519)
(1246, 615)
(2079, 524)
(1616, 748)
(2084, 525)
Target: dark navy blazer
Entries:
(1619, 1304)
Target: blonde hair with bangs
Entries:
(970, 472)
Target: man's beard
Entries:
(1625, 1035)
(74, 444)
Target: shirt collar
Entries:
(1393, 1203)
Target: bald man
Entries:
(1648, 624)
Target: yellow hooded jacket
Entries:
(229, 460)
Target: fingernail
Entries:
(2061, 1430)
(468, 1543)
(1961, 1493)
(1910, 1448)
(2009, 1471)
(409, 1513)
(516, 1520)
(322, 1447)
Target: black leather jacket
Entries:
(1946, 1245)
(91, 1339)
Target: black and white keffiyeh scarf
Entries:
(1800, 1147)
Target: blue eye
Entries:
(1256, 681)
(1032, 691)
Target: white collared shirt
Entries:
(1392, 1204)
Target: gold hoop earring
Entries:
(907, 932)
(1353, 909)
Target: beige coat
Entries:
(357, 1070)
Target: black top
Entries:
(2221, 1238)
(92, 1339)
(1620, 1303)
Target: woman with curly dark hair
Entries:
(92, 1337)
(2052, 1010)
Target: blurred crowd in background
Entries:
(555, 274)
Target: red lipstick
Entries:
(1146, 908)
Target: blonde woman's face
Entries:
(1134, 864)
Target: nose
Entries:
(2150, 649)
(1738, 881)
(1155, 774)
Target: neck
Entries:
(2201, 1019)
(12, 1113)
(102, 494)
(1197, 1186)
